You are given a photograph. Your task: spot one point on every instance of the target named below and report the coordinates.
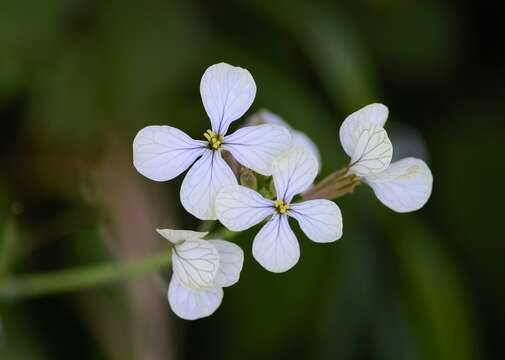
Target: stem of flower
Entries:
(56, 282)
(335, 185)
(68, 280)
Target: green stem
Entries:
(61, 281)
(55, 282)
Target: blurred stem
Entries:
(55, 282)
(7, 246)
(205, 226)
(224, 234)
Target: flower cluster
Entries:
(263, 173)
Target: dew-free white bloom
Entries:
(275, 246)
(299, 137)
(163, 152)
(404, 185)
(201, 268)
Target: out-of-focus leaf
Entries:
(392, 26)
(436, 299)
(339, 58)
(303, 110)
(332, 45)
(8, 245)
(347, 309)
(153, 58)
(468, 200)
(29, 30)
(18, 337)
(4, 243)
(394, 337)
(67, 95)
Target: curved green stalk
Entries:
(55, 282)
(67, 280)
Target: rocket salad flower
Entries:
(162, 153)
(275, 246)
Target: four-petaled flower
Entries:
(201, 268)
(163, 152)
(275, 246)
(403, 185)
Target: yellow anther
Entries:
(281, 206)
(214, 140)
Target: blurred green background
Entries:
(78, 79)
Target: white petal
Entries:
(373, 114)
(373, 152)
(178, 236)
(202, 183)
(192, 304)
(227, 92)
(195, 263)
(163, 152)
(231, 260)
(299, 138)
(256, 147)
(293, 172)
(239, 208)
(267, 117)
(404, 186)
(320, 220)
(275, 246)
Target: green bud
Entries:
(267, 188)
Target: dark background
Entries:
(78, 79)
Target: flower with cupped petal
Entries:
(201, 268)
(275, 246)
(162, 153)
(403, 185)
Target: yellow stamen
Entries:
(281, 206)
(214, 140)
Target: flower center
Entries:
(281, 206)
(214, 140)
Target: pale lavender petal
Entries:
(293, 172)
(256, 147)
(299, 137)
(161, 153)
(202, 183)
(371, 115)
(227, 92)
(195, 263)
(320, 220)
(275, 246)
(239, 208)
(231, 260)
(192, 304)
(404, 186)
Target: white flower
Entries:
(404, 185)
(299, 138)
(275, 246)
(201, 268)
(162, 152)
